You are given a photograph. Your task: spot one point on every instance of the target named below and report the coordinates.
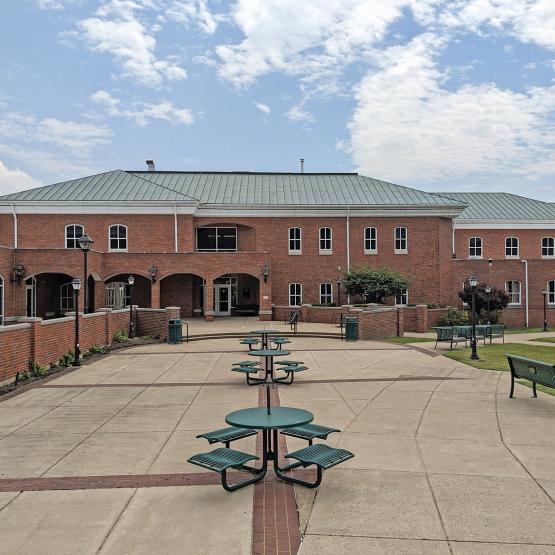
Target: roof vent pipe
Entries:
(302, 165)
(150, 165)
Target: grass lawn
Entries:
(523, 330)
(544, 339)
(403, 340)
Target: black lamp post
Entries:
(488, 291)
(338, 291)
(131, 282)
(545, 310)
(76, 284)
(473, 282)
(85, 244)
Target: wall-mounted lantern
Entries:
(265, 272)
(153, 272)
(18, 273)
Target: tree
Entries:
(374, 284)
(498, 300)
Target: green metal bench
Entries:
(466, 331)
(223, 458)
(227, 435)
(247, 363)
(247, 371)
(279, 341)
(322, 456)
(289, 362)
(250, 341)
(290, 372)
(495, 331)
(449, 335)
(534, 371)
(309, 432)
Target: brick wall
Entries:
(416, 318)
(380, 323)
(15, 344)
(155, 321)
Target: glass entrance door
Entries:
(222, 300)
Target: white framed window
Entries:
(370, 240)
(548, 246)
(66, 297)
(295, 245)
(216, 239)
(73, 232)
(295, 294)
(118, 237)
(402, 298)
(325, 240)
(1, 301)
(401, 241)
(511, 247)
(551, 292)
(326, 293)
(117, 294)
(475, 247)
(31, 297)
(512, 288)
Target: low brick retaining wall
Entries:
(46, 341)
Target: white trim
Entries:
(525, 262)
(110, 249)
(72, 238)
(504, 224)
(14, 227)
(406, 239)
(406, 294)
(331, 291)
(519, 303)
(300, 239)
(2, 296)
(512, 256)
(300, 295)
(547, 256)
(548, 292)
(370, 251)
(325, 251)
(476, 256)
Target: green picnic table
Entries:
(264, 334)
(268, 355)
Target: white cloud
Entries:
(407, 128)
(117, 31)
(13, 180)
(142, 112)
(264, 108)
(298, 113)
(193, 12)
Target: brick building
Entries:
(238, 243)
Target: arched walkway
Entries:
(49, 295)
(118, 291)
(183, 290)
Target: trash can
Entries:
(175, 331)
(351, 328)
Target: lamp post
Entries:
(131, 282)
(338, 291)
(85, 244)
(488, 291)
(545, 310)
(473, 282)
(76, 284)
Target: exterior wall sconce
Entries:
(153, 272)
(265, 272)
(18, 273)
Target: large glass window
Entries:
(401, 243)
(31, 296)
(118, 237)
(551, 292)
(402, 298)
(548, 246)
(295, 246)
(295, 294)
(512, 289)
(326, 293)
(325, 239)
(370, 240)
(215, 239)
(1, 301)
(117, 294)
(66, 297)
(73, 233)
(475, 247)
(511, 247)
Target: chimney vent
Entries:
(150, 165)
(302, 165)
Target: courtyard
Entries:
(95, 460)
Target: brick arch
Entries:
(125, 273)
(182, 289)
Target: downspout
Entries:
(525, 262)
(14, 227)
(453, 238)
(348, 243)
(175, 226)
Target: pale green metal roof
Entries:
(501, 206)
(235, 188)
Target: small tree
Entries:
(374, 284)
(487, 311)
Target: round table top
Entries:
(259, 419)
(268, 352)
(264, 332)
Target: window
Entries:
(513, 290)
(31, 296)
(117, 294)
(325, 239)
(475, 247)
(294, 240)
(548, 246)
(118, 237)
(326, 293)
(231, 280)
(1, 301)
(401, 240)
(66, 297)
(370, 240)
(295, 294)
(402, 298)
(73, 233)
(511, 247)
(551, 292)
(216, 239)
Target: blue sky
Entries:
(434, 94)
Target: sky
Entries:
(440, 95)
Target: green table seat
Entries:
(246, 363)
(289, 362)
(310, 432)
(279, 341)
(290, 372)
(246, 369)
(223, 458)
(250, 341)
(226, 435)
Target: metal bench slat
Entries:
(221, 459)
(309, 431)
(321, 455)
(227, 434)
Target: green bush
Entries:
(454, 317)
(374, 284)
(94, 350)
(67, 360)
(120, 337)
(35, 369)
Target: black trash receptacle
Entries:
(175, 331)
(351, 328)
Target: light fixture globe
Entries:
(76, 284)
(85, 243)
(488, 289)
(473, 281)
(131, 280)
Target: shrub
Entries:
(120, 337)
(35, 369)
(67, 359)
(496, 300)
(454, 317)
(94, 350)
(374, 284)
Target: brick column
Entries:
(265, 301)
(421, 318)
(400, 321)
(209, 300)
(99, 294)
(155, 295)
(108, 332)
(35, 344)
